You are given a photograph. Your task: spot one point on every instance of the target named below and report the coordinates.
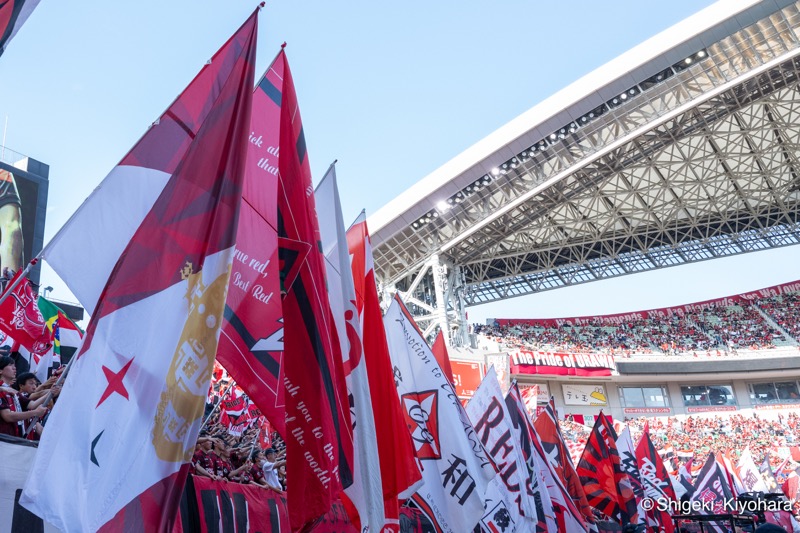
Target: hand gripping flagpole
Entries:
(49, 397)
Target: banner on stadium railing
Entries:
(593, 395)
(224, 506)
(646, 410)
(467, 377)
(562, 364)
(710, 408)
(663, 312)
(775, 406)
(17, 457)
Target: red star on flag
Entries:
(115, 382)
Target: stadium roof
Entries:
(685, 148)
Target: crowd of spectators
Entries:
(699, 436)
(25, 403)
(718, 328)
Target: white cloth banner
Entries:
(457, 473)
(17, 461)
(488, 413)
(749, 473)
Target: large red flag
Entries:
(400, 474)
(251, 342)
(126, 423)
(318, 432)
(22, 320)
(656, 482)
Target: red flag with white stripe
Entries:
(400, 474)
(126, 423)
(13, 14)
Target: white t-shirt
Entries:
(271, 474)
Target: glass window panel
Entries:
(632, 397)
(788, 391)
(762, 392)
(654, 397)
(695, 395)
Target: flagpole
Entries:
(49, 396)
(219, 401)
(252, 446)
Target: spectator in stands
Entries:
(270, 467)
(203, 458)
(12, 405)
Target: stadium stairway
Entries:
(790, 341)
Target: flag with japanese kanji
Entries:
(22, 320)
(318, 429)
(400, 473)
(461, 487)
(125, 426)
(712, 493)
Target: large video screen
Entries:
(30, 182)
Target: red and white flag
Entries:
(748, 472)
(13, 14)
(461, 487)
(318, 428)
(366, 492)
(22, 320)
(124, 429)
(439, 349)
(400, 474)
(656, 483)
(251, 342)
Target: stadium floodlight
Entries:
(495, 171)
(442, 206)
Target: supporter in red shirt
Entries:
(203, 459)
(12, 414)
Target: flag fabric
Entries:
(629, 465)
(366, 492)
(492, 422)
(460, 488)
(749, 474)
(567, 515)
(400, 473)
(439, 349)
(712, 492)
(546, 427)
(656, 483)
(726, 463)
(22, 320)
(685, 485)
(124, 429)
(600, 473)
(53, 318)
(318, 427)
(251, 342)
(13, 14)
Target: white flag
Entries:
(456, 470)
(366, 491)
(488, 413)
(749, 473)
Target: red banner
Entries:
(646, 410)
(467, 378)
(710, 408)
(334, 521)
(251, 342)
(237, 507)
(660, 313)
(562, 364)
(21, 318)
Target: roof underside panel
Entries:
(701, 163)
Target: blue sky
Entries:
(392, 90)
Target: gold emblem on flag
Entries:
(184, 395)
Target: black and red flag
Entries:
(13, 14)
(318, 431)
(602, 476)
(712, 492)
